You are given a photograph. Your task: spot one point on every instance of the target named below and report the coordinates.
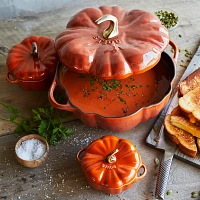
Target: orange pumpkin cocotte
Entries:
(112, 43)
(32, 63)
(111, 164)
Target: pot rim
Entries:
(134, 113)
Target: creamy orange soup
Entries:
(116, 98)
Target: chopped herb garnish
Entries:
(83, 75)
(183, 65)
(180, 35)
(155, 128)
(156, 139)
(167, 18)
(102, 95)
(92, 82)
(157, 162)
(169, 192)
(194, 194)
(122, 100)
(110, 85)
(188, 53)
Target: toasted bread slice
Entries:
(190, 83)
(186, 125)
(177, 111)
(183, 139)
(198, 143)
(190, 103)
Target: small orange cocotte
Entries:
(111, 164)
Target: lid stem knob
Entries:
(34, 52)
(110, 158)
(112, 30)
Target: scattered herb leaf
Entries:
(194, 194)
(156, 139)
(44, 121)
(122, 100)
(169, 192)
(157, 162)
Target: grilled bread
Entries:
(184, 124)
(190, 103)
(183, 139)
(198, 143)
(190, 83)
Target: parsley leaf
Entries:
(44, 121)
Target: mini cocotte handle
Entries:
(11, 81)
(144, 173)
(175, 51)
(79, 153)
(52, 100)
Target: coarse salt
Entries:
(31, 149)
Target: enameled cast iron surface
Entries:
(130, 107)
(135, 48)
(32, 63)
(111, 164)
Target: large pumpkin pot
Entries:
(111, 164)
(116, 74)
(124, 112)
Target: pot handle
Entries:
(79, 153)
(52, 100)
(11, 81)
(176, 51)
(144, 173)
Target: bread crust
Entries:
(183, 139)
(190, 103)
(190, 83)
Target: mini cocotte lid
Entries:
(111, 164)
(33, 59)
(112, 43)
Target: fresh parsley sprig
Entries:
(44, 121)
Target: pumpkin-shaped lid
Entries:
(111, 164)
(33, 59)
(110, 42)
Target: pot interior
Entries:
(117, 98)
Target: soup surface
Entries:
(116, 98)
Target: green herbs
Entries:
(195, 194)
(122, 100)
(44, 121)
(167, 18)
(110, 85)
(169, 192)
(187, 53)
(156, 139)
(93, 80)
(157, 162)
(48, 125)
